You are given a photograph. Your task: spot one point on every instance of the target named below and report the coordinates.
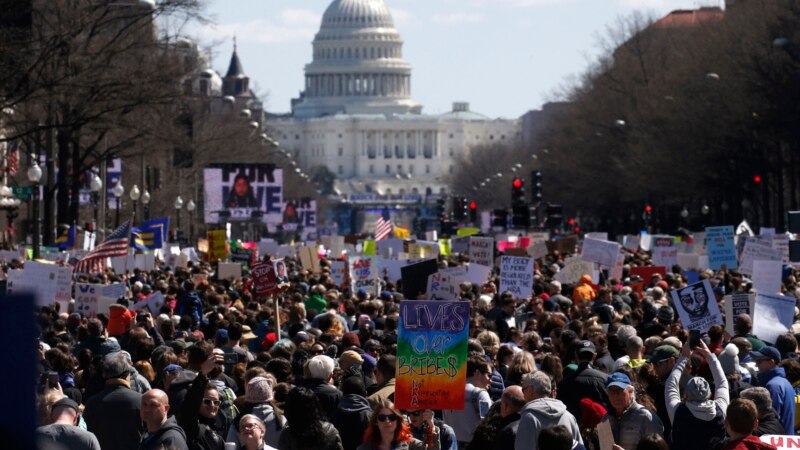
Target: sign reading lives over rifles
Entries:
(516, 275)
(697, 307)
(432, 354)
(243, 192)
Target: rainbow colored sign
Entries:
(432, 354)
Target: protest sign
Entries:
(767, 276)
(631, 242)
(459, 244)
(696, 305)
(390, 268)
(647, 272)
(389, 247)
(772, 316)
(86, 298)
(364, 274)
(699, 243)
(691, 276)
(243, 192)
(737, 304)
(481, 250)
(146, 261)
(63, 292)
(309, 259)
(615, 273)
(538, 249)
(190, 253)
(152, 302)
(122, 264)
(516, 276)
(781, 442)
(574, 268)
(424, 249)
(432, 354)
(598, 235)
(565, 245)
(441, 287)
(217, 246)
(267, 247)
(645, 242)
(457, 274)
(600, 251)
(40, 279)
(665, 253)
(478, 273)
(754, 250)
(264, 280)
(415, 278)
(720, 247)
(689, 261)
(780, 242)
(338, 273)
(229, 271)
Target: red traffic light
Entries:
(648, 208)
(473, 205)
(757, 179)
(517, 183)
(571, 222)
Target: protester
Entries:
(773, 377)
(629, 420)
(252, 431)
(476, 401)
(162, 431)
(541, 411)
(387, 429)
(113, 415)
(307, 425)
(63, 432)
(740, 421)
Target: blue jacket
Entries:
(782, 393)
(189, 304)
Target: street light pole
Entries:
(118, 191)
(178, 206)
(146, 204)
(34, 176)
(135, 194)
(190, 206)
(96, 185)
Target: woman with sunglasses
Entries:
(388, 431)
(199, 413)
(252, 431)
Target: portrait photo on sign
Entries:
(243, 192)
(280, 271)
(697, 306)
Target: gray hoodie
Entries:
(539, 414)
(703, 410)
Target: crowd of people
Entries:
(565, 368)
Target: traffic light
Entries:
(500, 218)
(757, 179)
(520, 217)
(460, 208)
(536, 187)
(473, 212)
(517, 192)
(440, 206)
(554, 216)
(647, 215)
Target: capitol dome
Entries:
(357, 65)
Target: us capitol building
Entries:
(356, 116)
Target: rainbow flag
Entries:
(432, 354)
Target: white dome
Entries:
(357, 14)
(357, 64)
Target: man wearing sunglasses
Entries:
(421, 420)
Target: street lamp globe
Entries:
(146, 197)
(135, 193)
(178, 202)
(5, 191)
(705, 209)
(34, 173)
(96, 184)
(190, 206)
(118, 189)
(684, 212)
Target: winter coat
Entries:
(189, 304)
(170, 436)
(769, 424)
(178, 389)
(119, 318)
(635, 423)
(782, 394)
(539, 414)
(274, 422)
(332, 441)
(351, 419)
(99, 345)
(113, 415)
(747, 443)
(508, 433)
(385, 392)
(583, 292)
(316, 302)
(328, 396)
(587, 382)
(199, 435)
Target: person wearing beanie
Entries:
(698, 422)
(119, 319)
(592, 414)
(729, 360)
(259, 401)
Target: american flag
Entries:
(116, 244)
(383, 228)
(12, 157)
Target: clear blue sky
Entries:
(505, 57)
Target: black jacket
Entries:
(586, 382)
(199, 435)
(178, 389)
(331, 440)
(508, 433)
(170, 436)
(769, 424)
(328, 396)
(113, 416)
(351, 419)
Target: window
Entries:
(388, 169)
(450, 169)
(371, 168)
(451, 135)
(371, 152)
(427, 168)
(341, 151)
(340, 170)
(399, 168)
(386, 152)
(450, 151)
(398, 152)
(412, 152)
(427, 152)
(296, 136)
(411, 169)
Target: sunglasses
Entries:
(387, 417)
(211, 401)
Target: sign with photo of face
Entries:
(243, 192)
(697, 306)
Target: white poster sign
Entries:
(696, 305)
(772, 316)
(229, 271)
(477, 273)
(516, 275)
(363, 274)
(574, 268)
(86, 298)
(338, 274)
(602, 252)
(767, 276)
(754, 250)
(665, 253)
(481, 250)
(441, 287)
